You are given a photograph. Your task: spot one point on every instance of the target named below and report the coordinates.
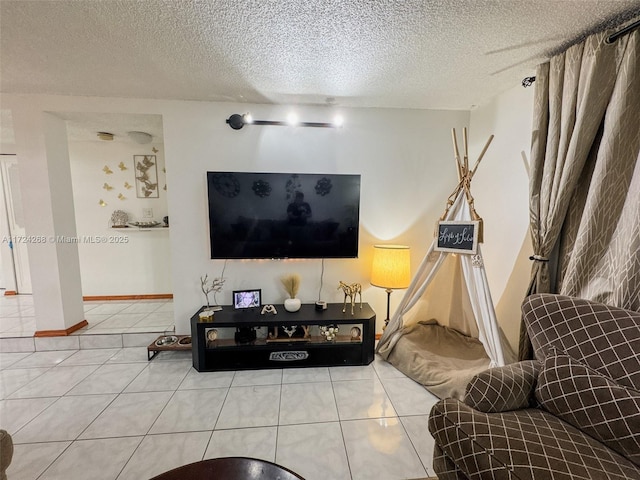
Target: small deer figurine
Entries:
(350, 291)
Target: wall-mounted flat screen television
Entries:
(283, 215)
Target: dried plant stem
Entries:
(291, 284)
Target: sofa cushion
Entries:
(591, 402)
(603, 337)
(526, 444)
(505, 388)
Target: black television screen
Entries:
(283, 215)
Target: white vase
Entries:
(292, 304)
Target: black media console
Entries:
(247, 339)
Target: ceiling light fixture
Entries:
(140, 137)
(237, 121)
(105, 136)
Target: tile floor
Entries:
(128, 316)
(108, 413)
(111, 414)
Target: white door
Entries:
(14, 224)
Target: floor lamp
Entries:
(391, 269)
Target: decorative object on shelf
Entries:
(289, 333)
(121, 196)
(212, 335)
(102, 203)
(128, 186)
(391, 269)
(290, 330)
(215, 286)
(247, 299)
(350, 291)
(291, 285)
(122, 166)
(324, 186)
(165, 219)
(321, 305)
(329, 332)
(144, 224)
(107, 187)
(261, 188)
(146, 176)
(206, 315)
(119, 219)
(107, 170)
(226, 184)
(269, 309)
(355, 333)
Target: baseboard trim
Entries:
(152, 296)
(61, 333)
(10, 293)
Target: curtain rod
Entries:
(629, 28)
(528, 81)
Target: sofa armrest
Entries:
(503, 388)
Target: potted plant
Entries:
(291, 285)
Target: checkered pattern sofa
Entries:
(572, 413)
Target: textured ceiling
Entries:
(442, 54)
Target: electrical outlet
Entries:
(147, 213)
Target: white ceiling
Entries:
(440, 54)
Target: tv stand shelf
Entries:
(265, 352)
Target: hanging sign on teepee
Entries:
(457, 236)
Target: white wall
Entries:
(501, 191)
(406, 162)
(404, 158)
(132, 262)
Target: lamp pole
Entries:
(386, 320)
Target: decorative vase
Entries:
(292, 304)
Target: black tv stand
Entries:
(313, 350)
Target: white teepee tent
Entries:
(445, 330)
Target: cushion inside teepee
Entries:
(438, 357)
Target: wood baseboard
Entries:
(152, 296)
(61, 333)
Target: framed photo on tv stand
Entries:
(243, 299)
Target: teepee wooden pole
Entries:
(484, 150)
(466, 151)
(456, 152)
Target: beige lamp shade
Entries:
(391, 266)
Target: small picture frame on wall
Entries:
(246, 299)
(146, 172)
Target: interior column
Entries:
(47, 196)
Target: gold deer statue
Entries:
(350, 291)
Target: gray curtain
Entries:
(585, 178)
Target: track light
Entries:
(237, 121)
